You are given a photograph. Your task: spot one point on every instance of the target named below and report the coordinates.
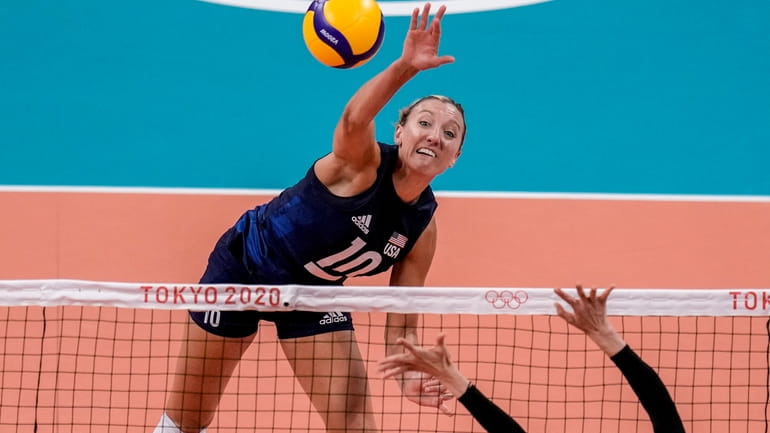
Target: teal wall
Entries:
(654, 96)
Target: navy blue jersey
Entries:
(307, 235)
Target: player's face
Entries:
(429, 141)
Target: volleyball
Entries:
(343, 33)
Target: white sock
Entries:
(166, 425)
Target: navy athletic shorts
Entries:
(225, 266)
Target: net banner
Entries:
(445, 300)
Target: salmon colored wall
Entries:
(482, 242)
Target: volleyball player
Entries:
(589, 314)
(361, 209)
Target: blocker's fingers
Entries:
(567, 298)
(592, 294)
(391, 373)
(606, 293)
(388, 366)
(561, 312)
(581, 292)
(446, 410)
(413, 351)
(440, 340)
(433, 385)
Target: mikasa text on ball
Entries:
(343, 33)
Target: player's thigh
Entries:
(206, 361)
(330, 369)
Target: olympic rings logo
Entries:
(506, 298)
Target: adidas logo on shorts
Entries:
(332, 317)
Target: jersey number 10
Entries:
(350, 262)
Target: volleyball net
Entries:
(84, 356)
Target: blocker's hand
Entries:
(425, 390)
(589, 314)
(427, 375)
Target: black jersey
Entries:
(307, 235)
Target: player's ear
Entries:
(457, 155)
(397, 134)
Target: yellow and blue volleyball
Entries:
(343, 33)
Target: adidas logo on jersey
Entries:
(332, 317)
(362, 222)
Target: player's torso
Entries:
(307, 235)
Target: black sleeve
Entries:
(487, 413)
(651, 391)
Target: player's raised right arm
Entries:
(354, 139)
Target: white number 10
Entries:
(344, 261)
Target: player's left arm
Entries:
(412, 271)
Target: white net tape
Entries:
(461, 300)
